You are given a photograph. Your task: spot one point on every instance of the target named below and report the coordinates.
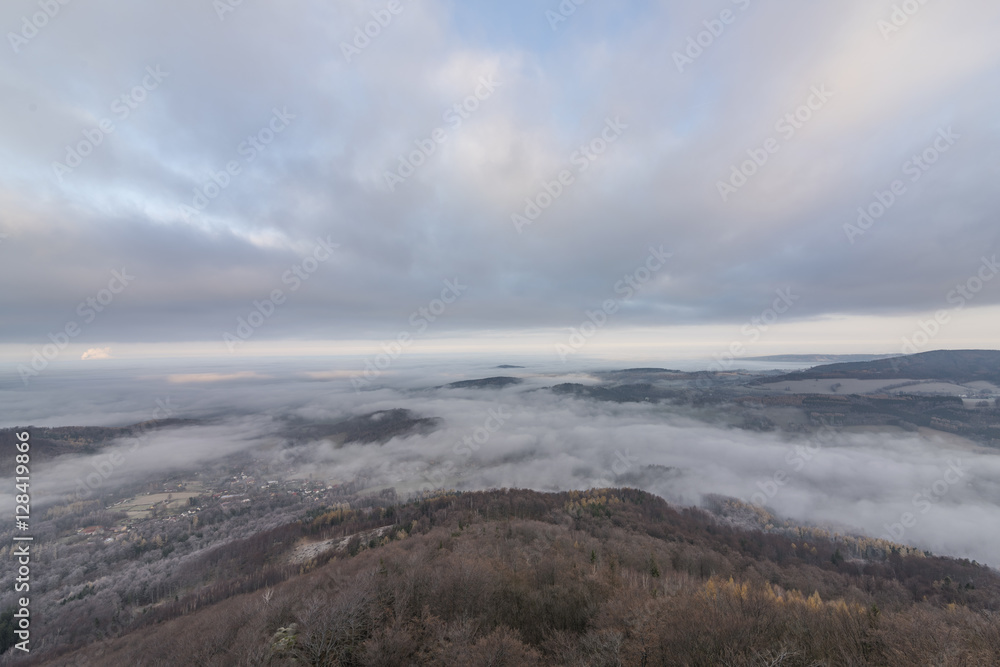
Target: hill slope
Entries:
(604, 577)
(959, 366)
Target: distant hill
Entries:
(646, 375)
(485, 383)
(823, 358)
(380, 427)
(959, 366)
(647, 370)
(50, 442)
(624, 393)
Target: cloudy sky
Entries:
(357, 162)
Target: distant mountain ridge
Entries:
(498, 382)
(50, 442)
(823, 358)
(380, 427)
(959, 366)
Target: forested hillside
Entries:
(605, 577)
(959, 366)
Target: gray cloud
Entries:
(323, 175)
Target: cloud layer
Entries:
(525, 436)
(223, 147)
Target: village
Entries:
(183, 500)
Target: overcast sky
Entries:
(203, 150)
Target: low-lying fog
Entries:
(521, 436)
